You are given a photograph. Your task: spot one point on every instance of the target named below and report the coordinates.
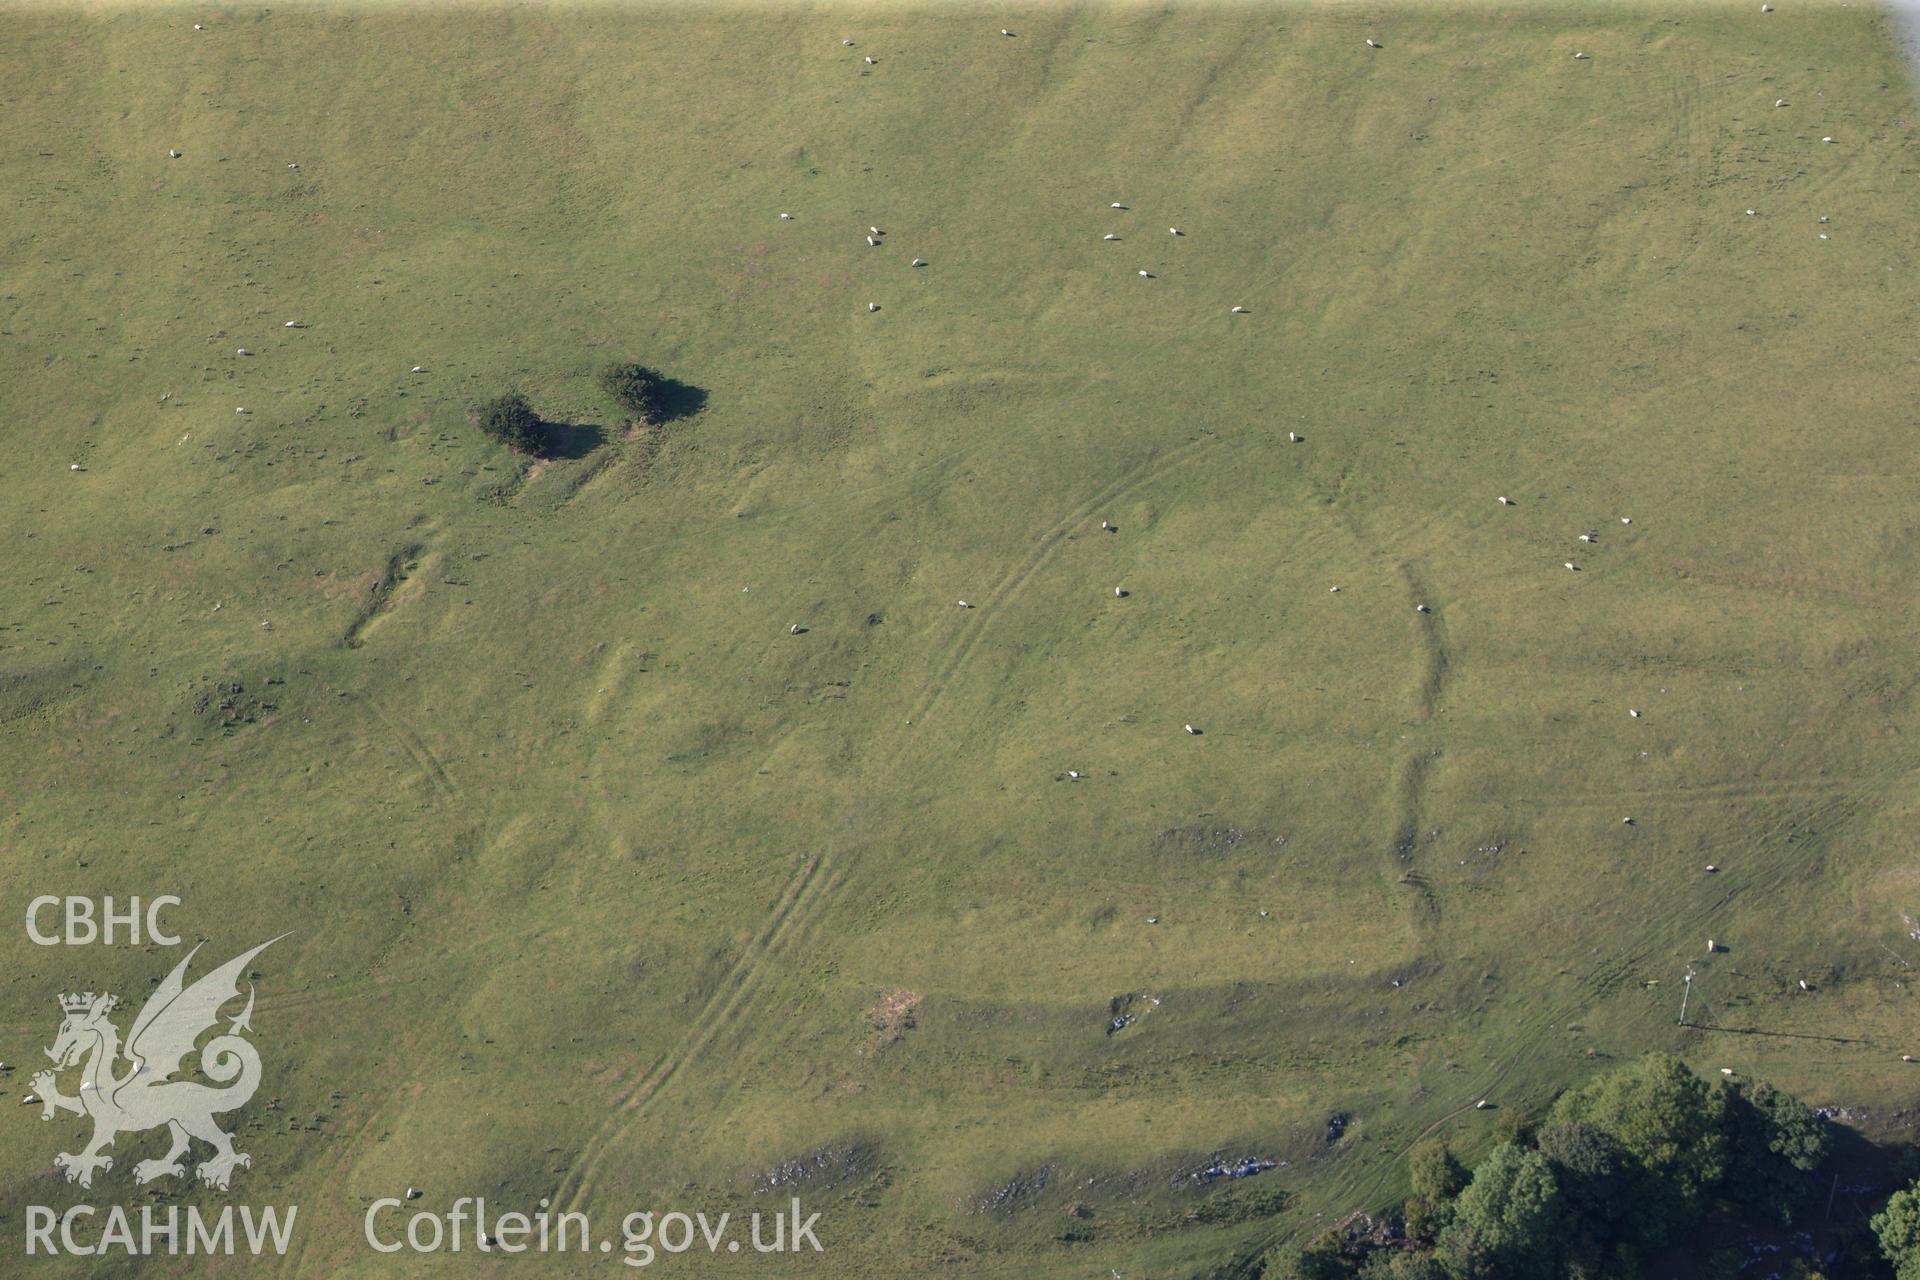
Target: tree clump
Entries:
(1897, 1228)
(512, 421)
(1620, 1170)
(638, 390)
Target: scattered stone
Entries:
(1243, 1168)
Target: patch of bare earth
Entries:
(891, 1019)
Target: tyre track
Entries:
(1004, 592)
(795, 928)
(799, 902)
(1706, 793)
(303, 1002)
(831, 499)
(416, 750)
(1601, 980)
(345, 1147)
(1695, 143)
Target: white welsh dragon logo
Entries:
(144, 1097)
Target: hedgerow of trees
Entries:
(1618, 1171)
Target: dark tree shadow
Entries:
(677, 399)
(1860, 1173)
(572, 440)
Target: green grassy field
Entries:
(601, 884)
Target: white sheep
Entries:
(1146, 275)
(1586, 537)
(871, 242)
(1109, 236)
(1119, 593)
(919, 262)
(1191, 729)
(419, 368)
(1005, 32)
(293, 324)
(873, 306)
(173, 154)
(1372, 43)
(1116, 205)
(786, 217)
(1421, 608)
(869, 60)
(1572, 567)
(1237, 311)
(875, 231)
(1293, 437)
(1175, 231)
(1505, 501)
(964, 605)
(241, 351)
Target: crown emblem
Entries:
(81, 1001)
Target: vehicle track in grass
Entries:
(964, 643)
(794, 916)
(416, 750)
(1608, 976)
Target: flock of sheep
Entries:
(875, 238)
(874, 234)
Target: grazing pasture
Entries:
(652, 829)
